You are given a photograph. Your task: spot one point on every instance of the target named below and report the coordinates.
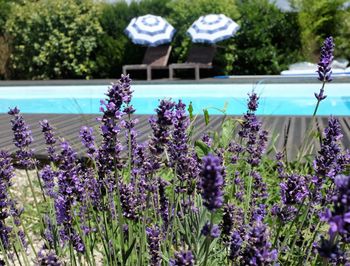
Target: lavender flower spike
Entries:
(182, 258)
(153, 240)
(212, 182)
(22, 139)
(324, 66)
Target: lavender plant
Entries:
(169, 201)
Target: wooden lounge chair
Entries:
(198, 57)
(154, 58)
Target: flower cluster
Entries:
(153, 240)
(324, 66)
(182, 258)
(22, 139)
(160, 125)
(212, 182)
(50, 139)
(339, 223)
(6, 173)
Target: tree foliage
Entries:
(268, 39)
(318, 19)
(53, 39)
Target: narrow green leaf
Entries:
(190, 110)
(206, 116)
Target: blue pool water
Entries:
(275, 99)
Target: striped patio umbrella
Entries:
(212, 28)
(149, 30)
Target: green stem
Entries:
(207, 240)
(33, 193)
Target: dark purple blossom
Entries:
(253, 102)
(339, 217)
(294, 189)
(22, 139)
(285, 213)
(129, 201)
(227, 222)
(182, 258)
(330, 161)
(48, 258)
(50, 139)
(182, 157)
(212, 182)
(331, 251)
(257, 250)
(6, 174)
(88, 140)
(153, 240)
(160, 125)
(235, 245)
(108, 158)
(207, 140)
(212, 230)
(252, 132)
(48, 177)
(163, 201)
(259, 191)
(324, 66)
(70, 191)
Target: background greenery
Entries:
(47, 39)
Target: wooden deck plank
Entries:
(68, 127)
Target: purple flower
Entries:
(212, 182)
(258, 248)
(128, 201)
(88, 140)
(235, 245)
(48, 177)
(330, 161)
(211, 230)
(294, 189)
(114, 108)
(331, 251)
(153, 240)
(324, 66)
(163, 201)
(70, 191)
(227, 222)
(6, 174)
(252, 132)
(22, 139)
(182, 258)
(207, 140)
(47, 259)
(161, 125)
(253, 102)
(182, 156)
(50, 139)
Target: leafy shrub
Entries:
(319, 19)
(342, 40)
(53, 39)
(268, 39)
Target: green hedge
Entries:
(53, 39)
(85, 38)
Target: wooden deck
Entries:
(68, 127)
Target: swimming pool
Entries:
(275, 99)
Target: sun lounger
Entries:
(199, 57)
(154, 58)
